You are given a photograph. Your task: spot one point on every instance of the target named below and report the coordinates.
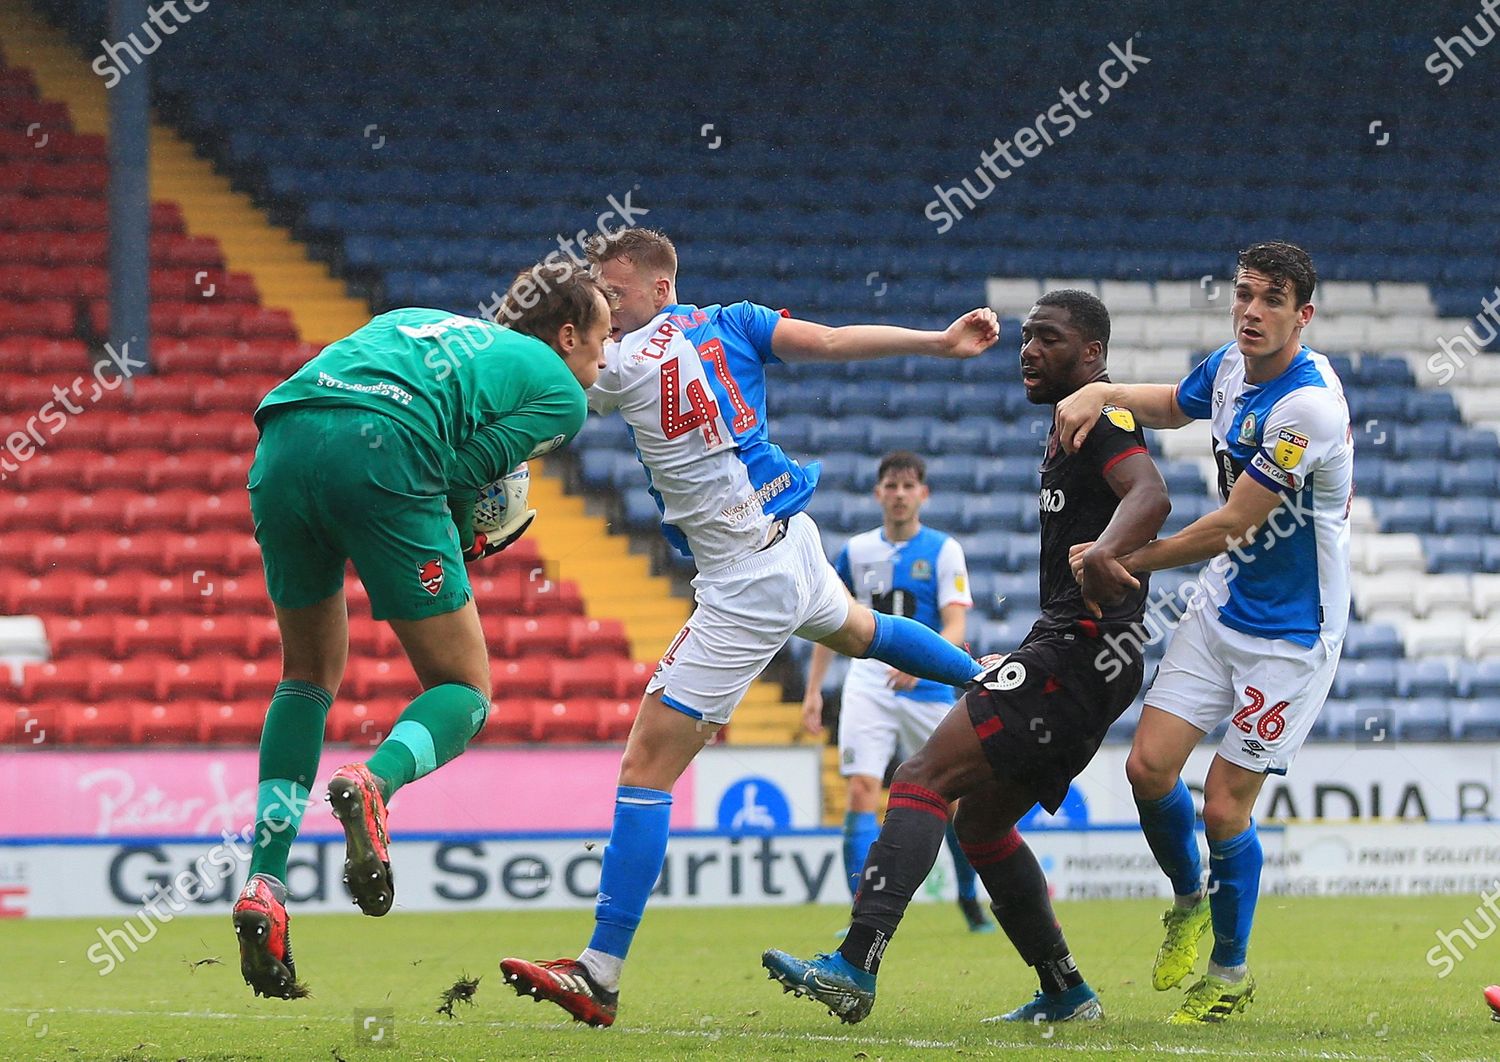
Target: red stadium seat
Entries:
(595, 676)
(522, 678)
(576, 720)
(139, 433)
(144, 678)
(266, 323)
(229, 511)
(382, 679)
(106, 723)
(363, 722)
(616, 718)
(83, 636)
(527, 636)
(57, 680)
(136, 636)
(232, 722)
(253, 679)
(596, 637)
(33, 725)
(509, 721)
(170, 722)
(631, 677)
(194, 354)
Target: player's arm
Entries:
(1144, 507)
(1154, 406)
(497, 447)
(969, 336)
(1227, 528)
(812, 699)
(955, 623)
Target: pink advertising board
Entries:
(199, 793)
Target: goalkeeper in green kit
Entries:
(375, 452)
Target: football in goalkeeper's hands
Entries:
(503, 502)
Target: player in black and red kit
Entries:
(1035, 717)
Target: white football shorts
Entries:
(875, 722)
(745, 612)
(1270, 689)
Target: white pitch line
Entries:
(731, 1034)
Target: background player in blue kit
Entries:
(1263, 655)
(690, 382)
(905, 569)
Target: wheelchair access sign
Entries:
(754, 805)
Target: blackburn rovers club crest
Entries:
(921, 569)
(1247, 430)
(431, 574)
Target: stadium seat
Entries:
(231, 722)
(565, 720)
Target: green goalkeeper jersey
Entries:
(485, 397)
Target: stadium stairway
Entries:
(321, 309)
(569, 546)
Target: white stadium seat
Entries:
(1127, 296)
(1385, 593)
(1444, 595)
(1338, 334)
(1387, 553)
(1398, 334)
(1403, 298)
(1434, 637)
(1344, 297)
(1011, 297)
(1484, 595)
(1087, 284)
(1178, 296)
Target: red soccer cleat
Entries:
(263, 928)
(358, 805)
(565, 982)
(1492, 997)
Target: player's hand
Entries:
(900, 681)
(487, 545)
(812, 712)
(1104, 580)
(1075, 559)
(972, 334)
(1077, 414)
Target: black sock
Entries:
(1014, 879)
(899, 861)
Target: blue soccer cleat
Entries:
(1076, 1004)
(847, 991)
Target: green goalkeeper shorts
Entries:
(331, 484)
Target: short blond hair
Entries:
(644, 248)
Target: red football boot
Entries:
(565, 982)
(263, 928)
(357, 803)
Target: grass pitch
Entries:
(1339, 979)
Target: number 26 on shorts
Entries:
(1270, 725)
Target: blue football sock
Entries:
(860, 830)
(1233, 887)
(919, 650)
(632, 863)
(963, 872)
(1168, 826)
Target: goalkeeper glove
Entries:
(488, 543)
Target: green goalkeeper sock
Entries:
(433, 730)
(290, 744)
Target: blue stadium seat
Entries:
(1423, 678)
(1476, 720)
(1421, 718)
(1477, 678)
(1364, 679)
(1457, 554)
(1372, 641)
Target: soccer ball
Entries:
(502, 499)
